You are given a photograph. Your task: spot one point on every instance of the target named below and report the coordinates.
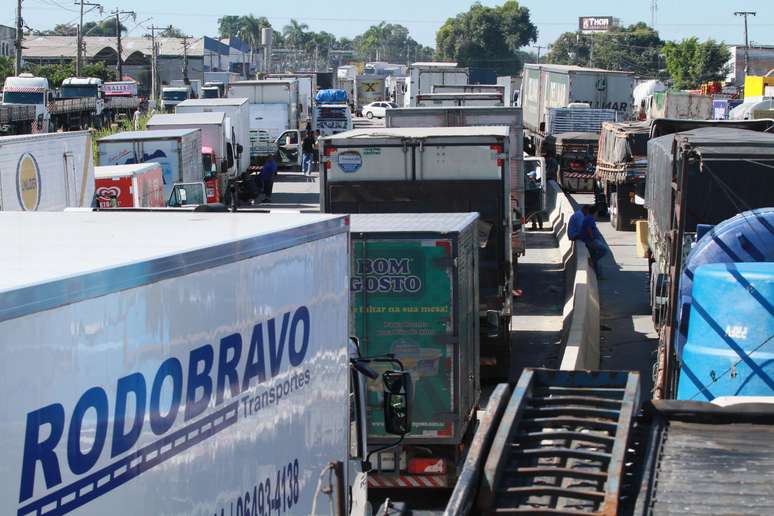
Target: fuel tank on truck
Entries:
(747, 237)
(730, 349)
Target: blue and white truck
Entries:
(160, 364)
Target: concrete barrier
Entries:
(581, 308)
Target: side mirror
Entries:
(397, 391)
(239, 148)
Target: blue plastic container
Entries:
(730, 346)
(747, 237)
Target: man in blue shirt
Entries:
(266, 177)
(575, 223)
(590, 235)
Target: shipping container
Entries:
(46, 172)
(152, 365)
(480, 116)
(179, 151)
(436, 170)
(139, 185)
(414, 295)
(679, 105)
(237, 110)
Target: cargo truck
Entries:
(219, 153)
(84, 89)
(436, 170)
(179, 151)
(121, 97)
(140, 185)
(178, 378)
(481, 116)
(414, 296)
(559, 86)
(51, 113)
(679, 105)
(237, 110)
(171, 96)
(307, 88)
(274, 115)
(697, 177)
(459, 99)
(18, 119)
(423, 76)
(46, 172)
(368, 88)
(331, 114)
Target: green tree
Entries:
(487, 36)
(691, 63)
(635, 48)
(295, 33)
(172, 32)
(6, 68)
(389, 42)
(228, 26)
(106, 27)
(56, 73)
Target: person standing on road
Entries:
(266, 177)
(307, 150)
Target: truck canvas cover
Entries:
(414, 294)
(623, 149)
(729, 171)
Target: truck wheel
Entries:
(369, 115)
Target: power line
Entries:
(79, 39)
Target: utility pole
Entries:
(119, 61)
(653, 13)
(746, 39)
(154, 66)
(18, 41)
(185, 60)
(539, 48)
(79, 53)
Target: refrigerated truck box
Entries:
(179, 151)
(237, 110)
(434, 170)
(190, 364)
(140, 185)
(414, 295)
(547, 86)
(273, 107)
(423, 76)
(479, 116)
(46, 172)
(215, 130)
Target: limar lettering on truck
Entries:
(207, 393)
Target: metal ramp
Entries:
(560, 445)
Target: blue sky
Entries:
(676, 18)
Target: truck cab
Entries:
(171, 96)
(86, 87)
(213, 90)
(26, 89)
(331, 119)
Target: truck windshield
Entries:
(79, 91)
(22, 97)
(210, 93)
(174, 95)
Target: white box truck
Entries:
(481, 116)
(238, 111)
(179, 151)
(217, 138)
(274, 112)
(423, 76)
(46, 172)
(162, 364)
(436, 170)
(307, 88)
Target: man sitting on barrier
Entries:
(583, 226)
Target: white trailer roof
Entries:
(225, 101)
(108, 171)
(207, 118)
(421, 132)
(410, 222)
(50, 259)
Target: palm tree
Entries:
(295, 33)
(249, 31)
